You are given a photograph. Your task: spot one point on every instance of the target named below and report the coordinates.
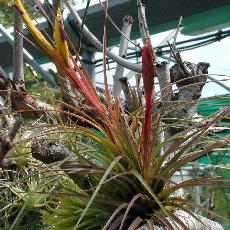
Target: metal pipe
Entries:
(88, 58)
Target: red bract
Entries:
(148, 70)
(148, 74)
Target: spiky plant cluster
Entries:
(121, 175)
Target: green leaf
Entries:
(147, 187)
(117, 159)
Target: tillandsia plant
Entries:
(123, 179)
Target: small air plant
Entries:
(128, 181)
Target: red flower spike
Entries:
(148, 74)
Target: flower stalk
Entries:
(148, 73)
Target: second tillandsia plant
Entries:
(124, 178)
